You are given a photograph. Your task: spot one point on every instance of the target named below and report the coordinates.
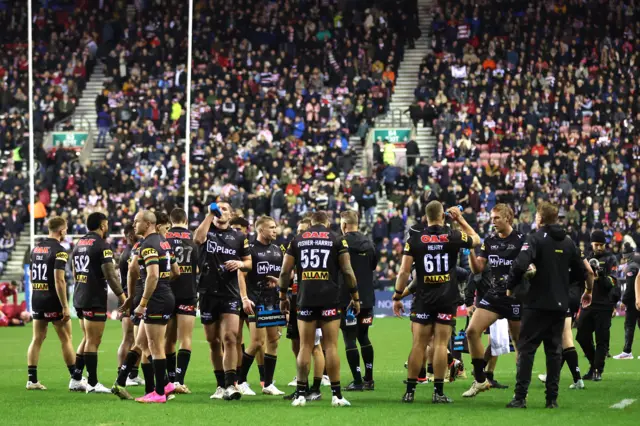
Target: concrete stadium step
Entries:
(13, 269)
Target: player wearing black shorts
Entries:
(156, 306)
(261, 291)
(93, 269)
(128, 336)
(224, 257)
(50, 305)
(318, 255)
(180, 327)
(362, 253)
(499, 250)
(434, 252)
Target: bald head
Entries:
(145, 223)
(148, 216)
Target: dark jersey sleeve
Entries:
(148, 255)
(343, 246)
(106, 254)
(292, 249)
(577, 263)
(461, 239)
(409, 247)
(483, 250)
(61, 259)
(245, 251)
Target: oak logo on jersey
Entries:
(315, 234)
(41, 250)
(435, 239)
(62, 256)
(86, 242)
(179, 235)
(437, 279)
(315, 275)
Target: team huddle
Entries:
(321, 283)
(167, 273)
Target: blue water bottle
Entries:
(213, 208)
(459, 207)
(350, 318)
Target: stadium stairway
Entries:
(87, 106)
(407, 81)
(13, 269)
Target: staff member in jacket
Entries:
(632, 315)
(597, 317)
(553, 254)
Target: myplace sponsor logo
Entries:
(498, 261)
(266, 267)
(213, 247)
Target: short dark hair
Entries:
(178, 216)
(319, 218)
(94, 221)
(239, 220)
(129, 229)
(162, 218)
(548, 213)
(56, 224)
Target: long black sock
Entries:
(171, 367)
(317, 381)
(184, 356)
(149, 380)
(219, 377)
(229, 378)
(261, 372)
(353, 358)
(571, 357)
(335, 389)
(489, 375)
(77, 375)
(438, 386)
(247, 361)
(411, 385)
(367, 358)
(91, 361)
(423, 373)
(134, 372)
(478, 369)
(72, 369)
(302, 387)
(269, 368)
(324, 354)
(129, 362)
(32, 370)
(430, 368)
(160, 369)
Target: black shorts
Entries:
(159, 310)
(212, 308)
(292, 327)
(47, 309)
(504, 306)
(426, 314)
(186, 307)
(309, 314)
(363, 319)
(48, 316)
(92, 314)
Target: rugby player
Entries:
(498, 250)
(362, 253)
(225, 255)
(319, 255)
(435, 251)
(180, 327)
(93, 267)
(128, 336)
(267, 262)
(319, 379)
(50, 304)
(157, 267)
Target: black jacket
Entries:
(364, 260)
(630, 273)
(605, 292)
(554, 255)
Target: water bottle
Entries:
(351, 318)
(213, 208)
(459, 207)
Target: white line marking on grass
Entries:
(622, 404)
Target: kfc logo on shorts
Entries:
(445, 317)
(187, 308)
(367, 321)
(88, 314)
(329, 312)
(51, 315)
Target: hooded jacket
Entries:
(363, 261)
(554, 255)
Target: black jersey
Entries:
(362, 252)
(123, 266)
(267, 261)
(47, 256)
(156, 250)
(435, 255)
(500, 254)
(221, 245)
(186, 252)
(316, 252)
(90, 253)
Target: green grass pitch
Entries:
(391, 338)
